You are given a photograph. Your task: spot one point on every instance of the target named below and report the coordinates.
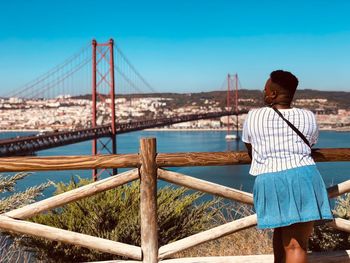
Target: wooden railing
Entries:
(148, 166)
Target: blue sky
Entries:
(183, 46)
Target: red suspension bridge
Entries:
(113, 76)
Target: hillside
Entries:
(335, 99)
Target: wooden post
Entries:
(148, 202)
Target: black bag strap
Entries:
(292, 126)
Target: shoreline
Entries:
(347, 129)
(19, 130)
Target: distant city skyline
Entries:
(184, 46)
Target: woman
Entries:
(289, 193)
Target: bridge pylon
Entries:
(103, 93)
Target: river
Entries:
(235, 176)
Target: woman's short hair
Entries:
(285, 80)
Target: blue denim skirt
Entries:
(290, 196)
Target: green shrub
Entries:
(115, 215)
(325, 238)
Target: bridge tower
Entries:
(103, 91)
(232, 82)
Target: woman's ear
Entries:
(273, 94)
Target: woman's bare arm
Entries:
(249, 148)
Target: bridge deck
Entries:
(30, 144)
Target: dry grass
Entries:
(246, 242)
(10, 252)
(18, 199)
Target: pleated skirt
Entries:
(290, 196)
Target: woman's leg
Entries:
(278, 249)
(294, 239)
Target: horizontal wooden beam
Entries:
(340, 224)
(231, 158)
(205, 186)
(55, 234)
(117, 261)
(73, 195)
(202, 159)
(52, 163)
(339, 189)
(314, 257)
(208, 235)
(15, 164)
(331, 154)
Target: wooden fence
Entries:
(149, 166)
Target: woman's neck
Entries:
(282, 102)
(281, 106)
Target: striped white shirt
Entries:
(275, 146)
